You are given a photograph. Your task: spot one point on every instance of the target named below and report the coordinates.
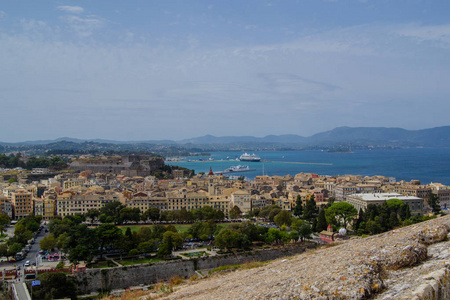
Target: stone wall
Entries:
(98, 280)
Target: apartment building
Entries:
(242, 200)
(22, 202)
(6, 206)
(69, 204)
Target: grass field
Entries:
(137, 261)
(179, 227)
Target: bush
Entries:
(175, 280)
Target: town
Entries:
(92, 183)
(103, 192)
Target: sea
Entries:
(425, 164)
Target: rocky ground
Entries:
(392, 265)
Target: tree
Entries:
(298, 210)
(108, 235)
(235, 212)
(55, 286)
(272, 235)
(110, 213)
(3, 250)
(321, 221)
(153, 213)
(305, 231)
(296, 224)
(4, 220)
(283, 218)
(63, 242)
(48, 242)
(130, 214)
(310, 211)
(433, 202)
(228, 239)
(93, 214)
(170, 241)
(340, 213)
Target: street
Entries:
(31, 256)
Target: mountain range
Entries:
(339, 137)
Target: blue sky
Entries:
(142, 70)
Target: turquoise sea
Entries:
(425, 164)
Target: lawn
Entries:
(179, 227)
(195, 254)
(137, 261)
(101, 264)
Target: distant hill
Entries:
(363, 136)
(338, 138)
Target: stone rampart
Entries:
(98, 280)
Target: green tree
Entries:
(433, 202)
(63, 242)
(283, 218)
(153, 213)
(272, 235)
(108, 235)
(146, 247)
(93, 214)
(321, 221)
(12, 180)
(305, 231)
(310, 210)
(298, 210)
(3, 250)
(110, 213)
(48, 242)
(4, 220)
(228, 239)
(340, 213)
(235, 212)
(55, 286)
(127, 214)
(170, 241)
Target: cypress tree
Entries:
(321, 221)
(298, 210)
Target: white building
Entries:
(361, 201)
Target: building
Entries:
(361, 201)
(242, 200)
(341, 191)
(70, 204)
(6, 206)
(22, 202)
(73, 182)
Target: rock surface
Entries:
(404, 263)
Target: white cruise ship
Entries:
(249, 157)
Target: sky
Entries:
(152, 70)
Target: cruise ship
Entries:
(249, 157)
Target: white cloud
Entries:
(437, 33)
(84, 26)
(312, 83)
(71, 9)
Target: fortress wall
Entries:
(93, 280)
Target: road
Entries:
(21, 291)
(31, 254)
